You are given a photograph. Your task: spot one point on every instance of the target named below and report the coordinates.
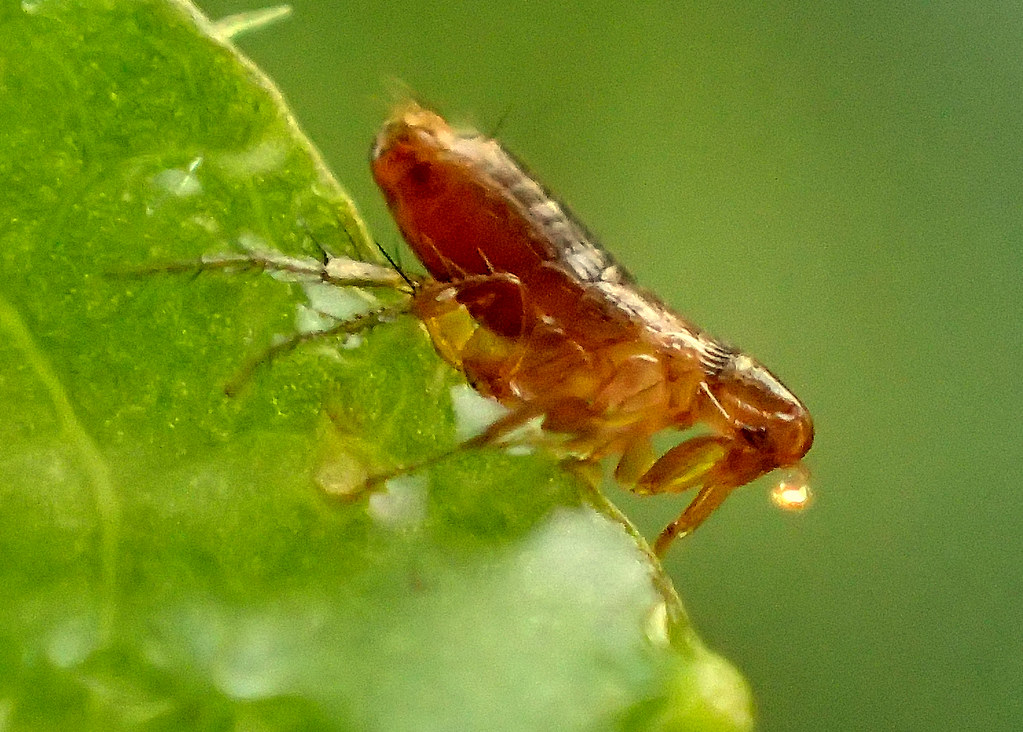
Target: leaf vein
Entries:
(94, 465)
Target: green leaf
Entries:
(173, 557)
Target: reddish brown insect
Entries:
(562, 332)
(539, 317)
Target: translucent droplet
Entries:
(792, 491)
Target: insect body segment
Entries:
(561, 331)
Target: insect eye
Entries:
(423, 180)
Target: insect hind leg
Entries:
(349, 326)
(334, 271)
(496, 435)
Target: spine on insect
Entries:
(562, 331)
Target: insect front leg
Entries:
(713, 462)
(706, 501)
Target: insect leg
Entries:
(700, 461)
(444, 310)
(709, 498)
(338, 271)
(334, 271)
(684, 466)
(452, 313)
(496, 300)
(350, 326)
(636, 460)
(493, 435)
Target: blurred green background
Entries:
(836, 187)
